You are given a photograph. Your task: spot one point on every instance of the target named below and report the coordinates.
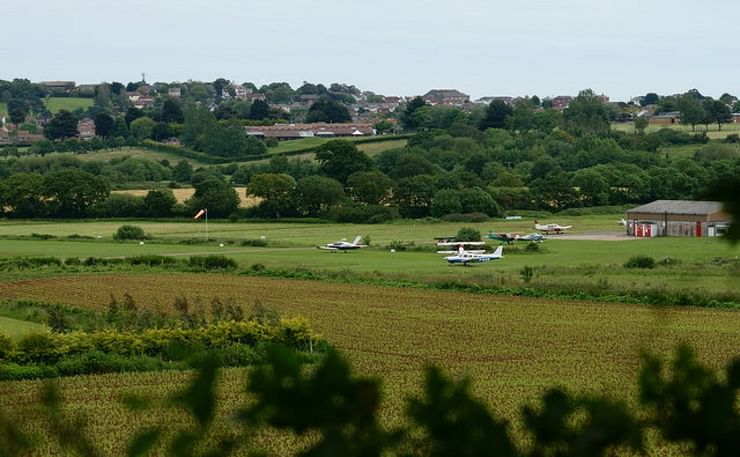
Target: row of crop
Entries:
(199, 263)
(38, 354)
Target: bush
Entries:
(468, 234)
(152, 260)
(468, 217)
(255, 242)
(668, 261)
(129, 232)
(6, 346)
(72, 262)
(640, 261)
(527, 273)
(533, 247)
(212, 262)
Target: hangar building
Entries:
(677, 218)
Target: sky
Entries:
(393, 47)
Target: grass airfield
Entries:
(512, 347)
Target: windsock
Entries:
(200, 214)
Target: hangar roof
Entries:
(679, 207)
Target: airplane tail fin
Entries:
(499, 252)
(357, 240)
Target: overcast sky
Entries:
(394, 47)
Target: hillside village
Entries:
(289, 111)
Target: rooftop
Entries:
(679, 207)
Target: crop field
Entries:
(513, 347)
(56, 104)
(245, 201)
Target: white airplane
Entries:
(466, 258)
(547, 228)
(343, 245)
(532, 237)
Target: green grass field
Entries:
(712, 131)
(3, 109)
(15, 328)
(56, 104)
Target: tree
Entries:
(159, 203)
(477, 200)
(162, 131)
(132, 114)
(718, 112)
(409, 117)
(554, 191)
(142, 128)
(496, 115)
(316, 193)
(182, 171)
(446, 201)
(259, 110)
(119, 129)
(369, 187)
(219, 85)
(592, 187)
(62, 125)
(586, 114)
(414, 195)
(72, 192)
(340, 158)
(104, 124)
(327, 110)
(215, 195)
(275, 190)
(172, 112)
(692, 112)
(641, 123)
(22, 193)
(651, 98)
(17, 110)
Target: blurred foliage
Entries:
(684, 403)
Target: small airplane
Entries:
(343, 245)
(538, 237)
(466, 258)
(507, 238)
(547, 228)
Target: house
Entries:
(678, 218)
(174, 92)
(487, 100)
(140, 101)
(319, 129)
(58, 86)
(86, 129)
(671, 117)
(561, 101)
(446, 97)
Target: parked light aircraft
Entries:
(343, 245)
(507, 238)
(532, 237)
(466, 258)
(547, 228)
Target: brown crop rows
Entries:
(513, 347)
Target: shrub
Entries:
(6, 346)
(468, 234)
(212, 262)
(57, 321)
(527, 273)
(257, 267)
(668, 261)
(129, 232)
(72, 262)
(255, 242)
(640, 261)
(152, 260)
(533, 247)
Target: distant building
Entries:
(174, 92)
(561, 101)
(671, 117)
(487, 100)
(678, 218)
(446, 97)
(86, 129)
(59, 86)
(319, 129)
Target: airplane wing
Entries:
(327, 247)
